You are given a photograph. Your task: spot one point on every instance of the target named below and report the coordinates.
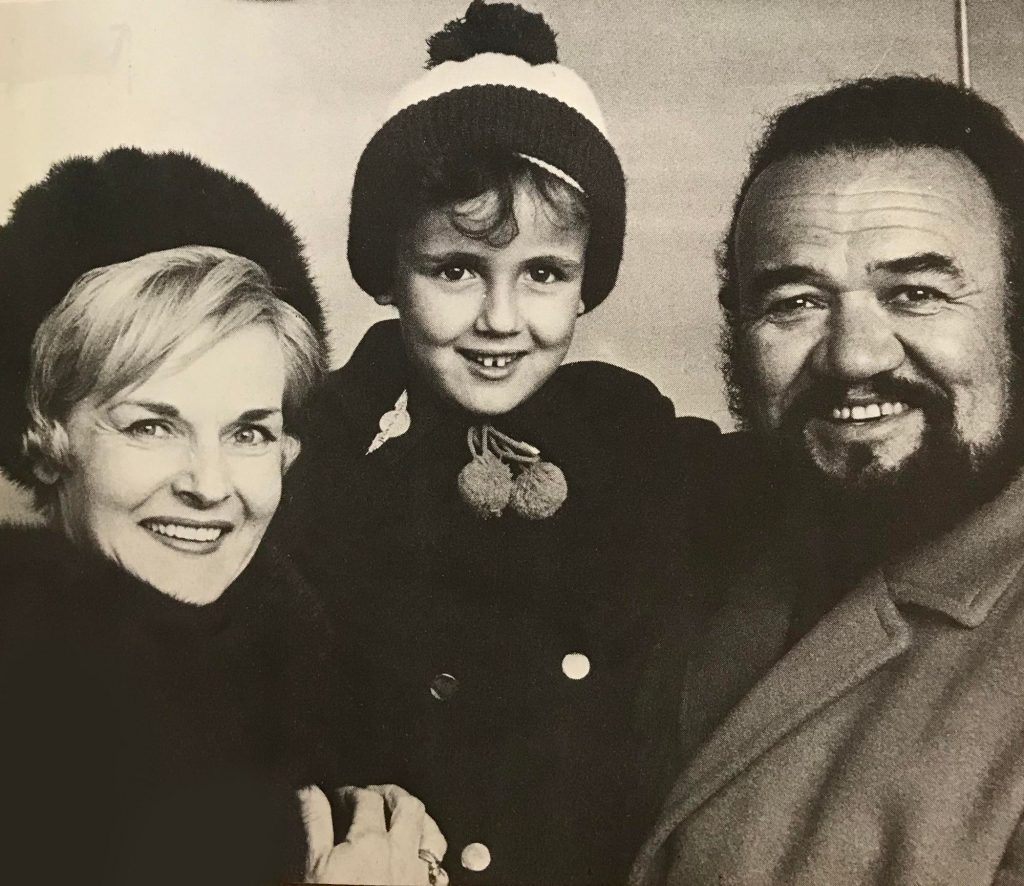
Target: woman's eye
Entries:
(148, 429)
(252, 436)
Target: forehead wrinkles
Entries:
(793, 218)
(813, 200)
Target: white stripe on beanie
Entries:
(497, 69)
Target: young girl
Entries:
(486, 521)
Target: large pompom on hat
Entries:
(493, 84)
(87, 213)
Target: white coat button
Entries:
(443, 687)
(575, 666)
(476, 857)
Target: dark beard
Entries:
(862, 520)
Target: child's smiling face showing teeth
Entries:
(487, 325)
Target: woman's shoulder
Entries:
(40, 563)
(31, 543)
(53, 634)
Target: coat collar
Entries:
(567, 418)
(965, 572)
(863, 632)
(962, 574)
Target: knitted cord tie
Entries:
(487, 486)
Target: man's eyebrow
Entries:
(772, 278)
(934, 262)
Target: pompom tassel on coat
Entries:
(486, 484)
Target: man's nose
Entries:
(203, 482)
(499, 313)
(860, 340)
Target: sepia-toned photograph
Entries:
(541, 443)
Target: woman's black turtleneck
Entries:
(148, 740)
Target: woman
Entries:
(489, 521)
(164, 672)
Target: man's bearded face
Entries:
(873, 300)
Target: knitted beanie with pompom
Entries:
(493, 83)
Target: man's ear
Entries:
(289, 452)
(384, 298)
(581, 309)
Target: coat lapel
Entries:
(863, 632)
(962, 574)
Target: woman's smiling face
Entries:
(486, 325)
(177, 478)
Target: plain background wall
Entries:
(285, 93)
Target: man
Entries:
(856, 713)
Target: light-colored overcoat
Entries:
(886, 747)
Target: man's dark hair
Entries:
(878, 114)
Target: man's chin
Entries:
(902, 497)
(860, 467)
(866, 452)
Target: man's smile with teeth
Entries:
(868, 412)
(186, 533)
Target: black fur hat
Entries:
(88, 213)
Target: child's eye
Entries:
(453, 273)
(545, 274)
(148, 428)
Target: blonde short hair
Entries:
(118, 324)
